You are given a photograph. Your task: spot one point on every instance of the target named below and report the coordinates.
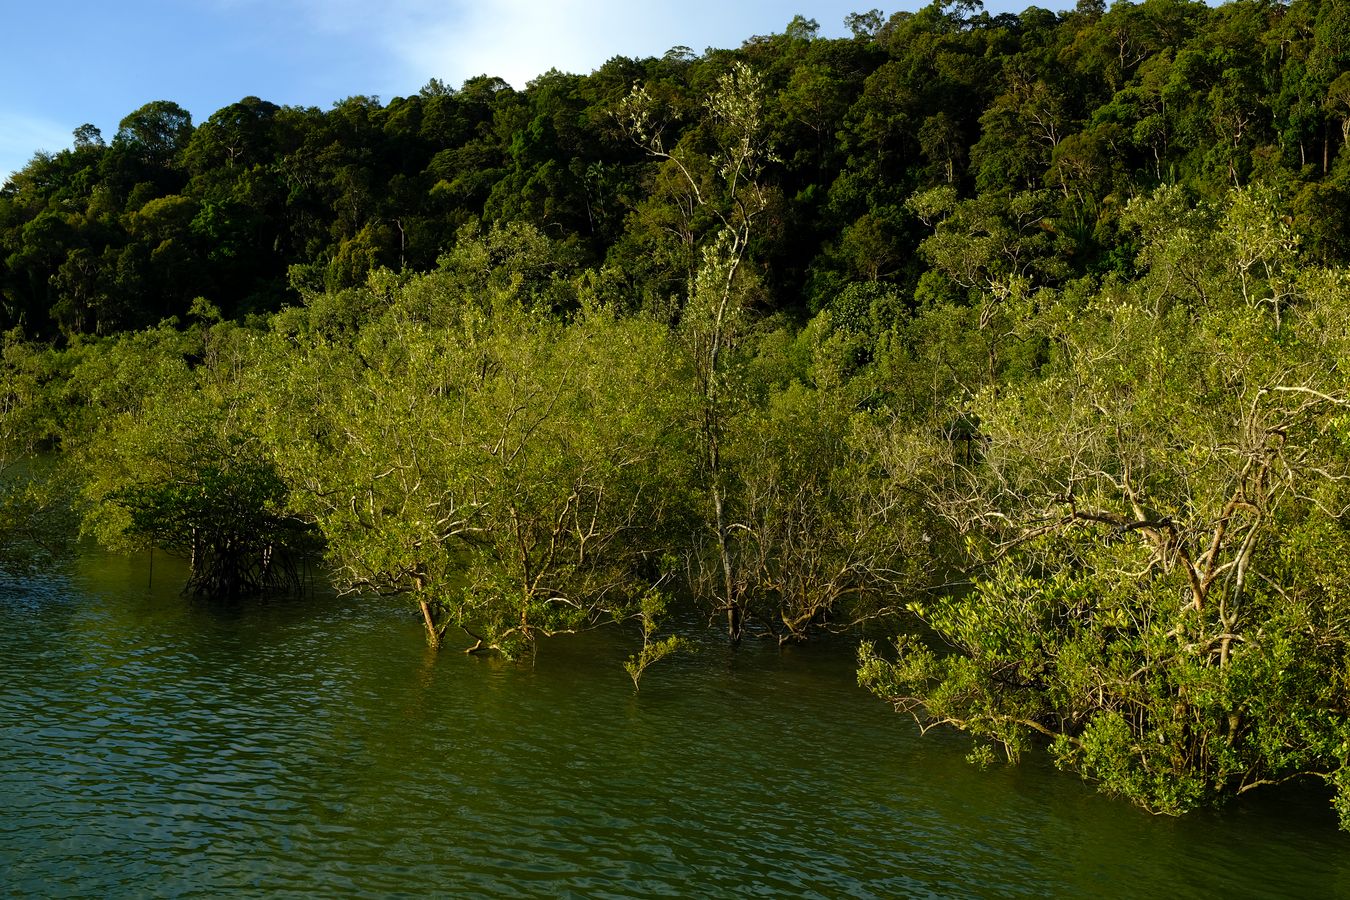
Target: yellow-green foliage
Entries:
(1157, 527)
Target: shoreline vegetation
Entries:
(1026, 333)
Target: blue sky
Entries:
(67, 62)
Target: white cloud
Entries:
(520, 39)
(360, 17)
(22, 135)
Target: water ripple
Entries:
(152, 745)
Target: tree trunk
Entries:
(433, 633)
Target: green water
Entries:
(154, 746)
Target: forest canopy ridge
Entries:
(1063, 116)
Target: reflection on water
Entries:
(150, 744)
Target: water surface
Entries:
(150, 745)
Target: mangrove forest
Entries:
(1017, 347)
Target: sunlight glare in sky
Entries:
(61, 70)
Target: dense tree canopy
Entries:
(1082, 109)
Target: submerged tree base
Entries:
(226, 574)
